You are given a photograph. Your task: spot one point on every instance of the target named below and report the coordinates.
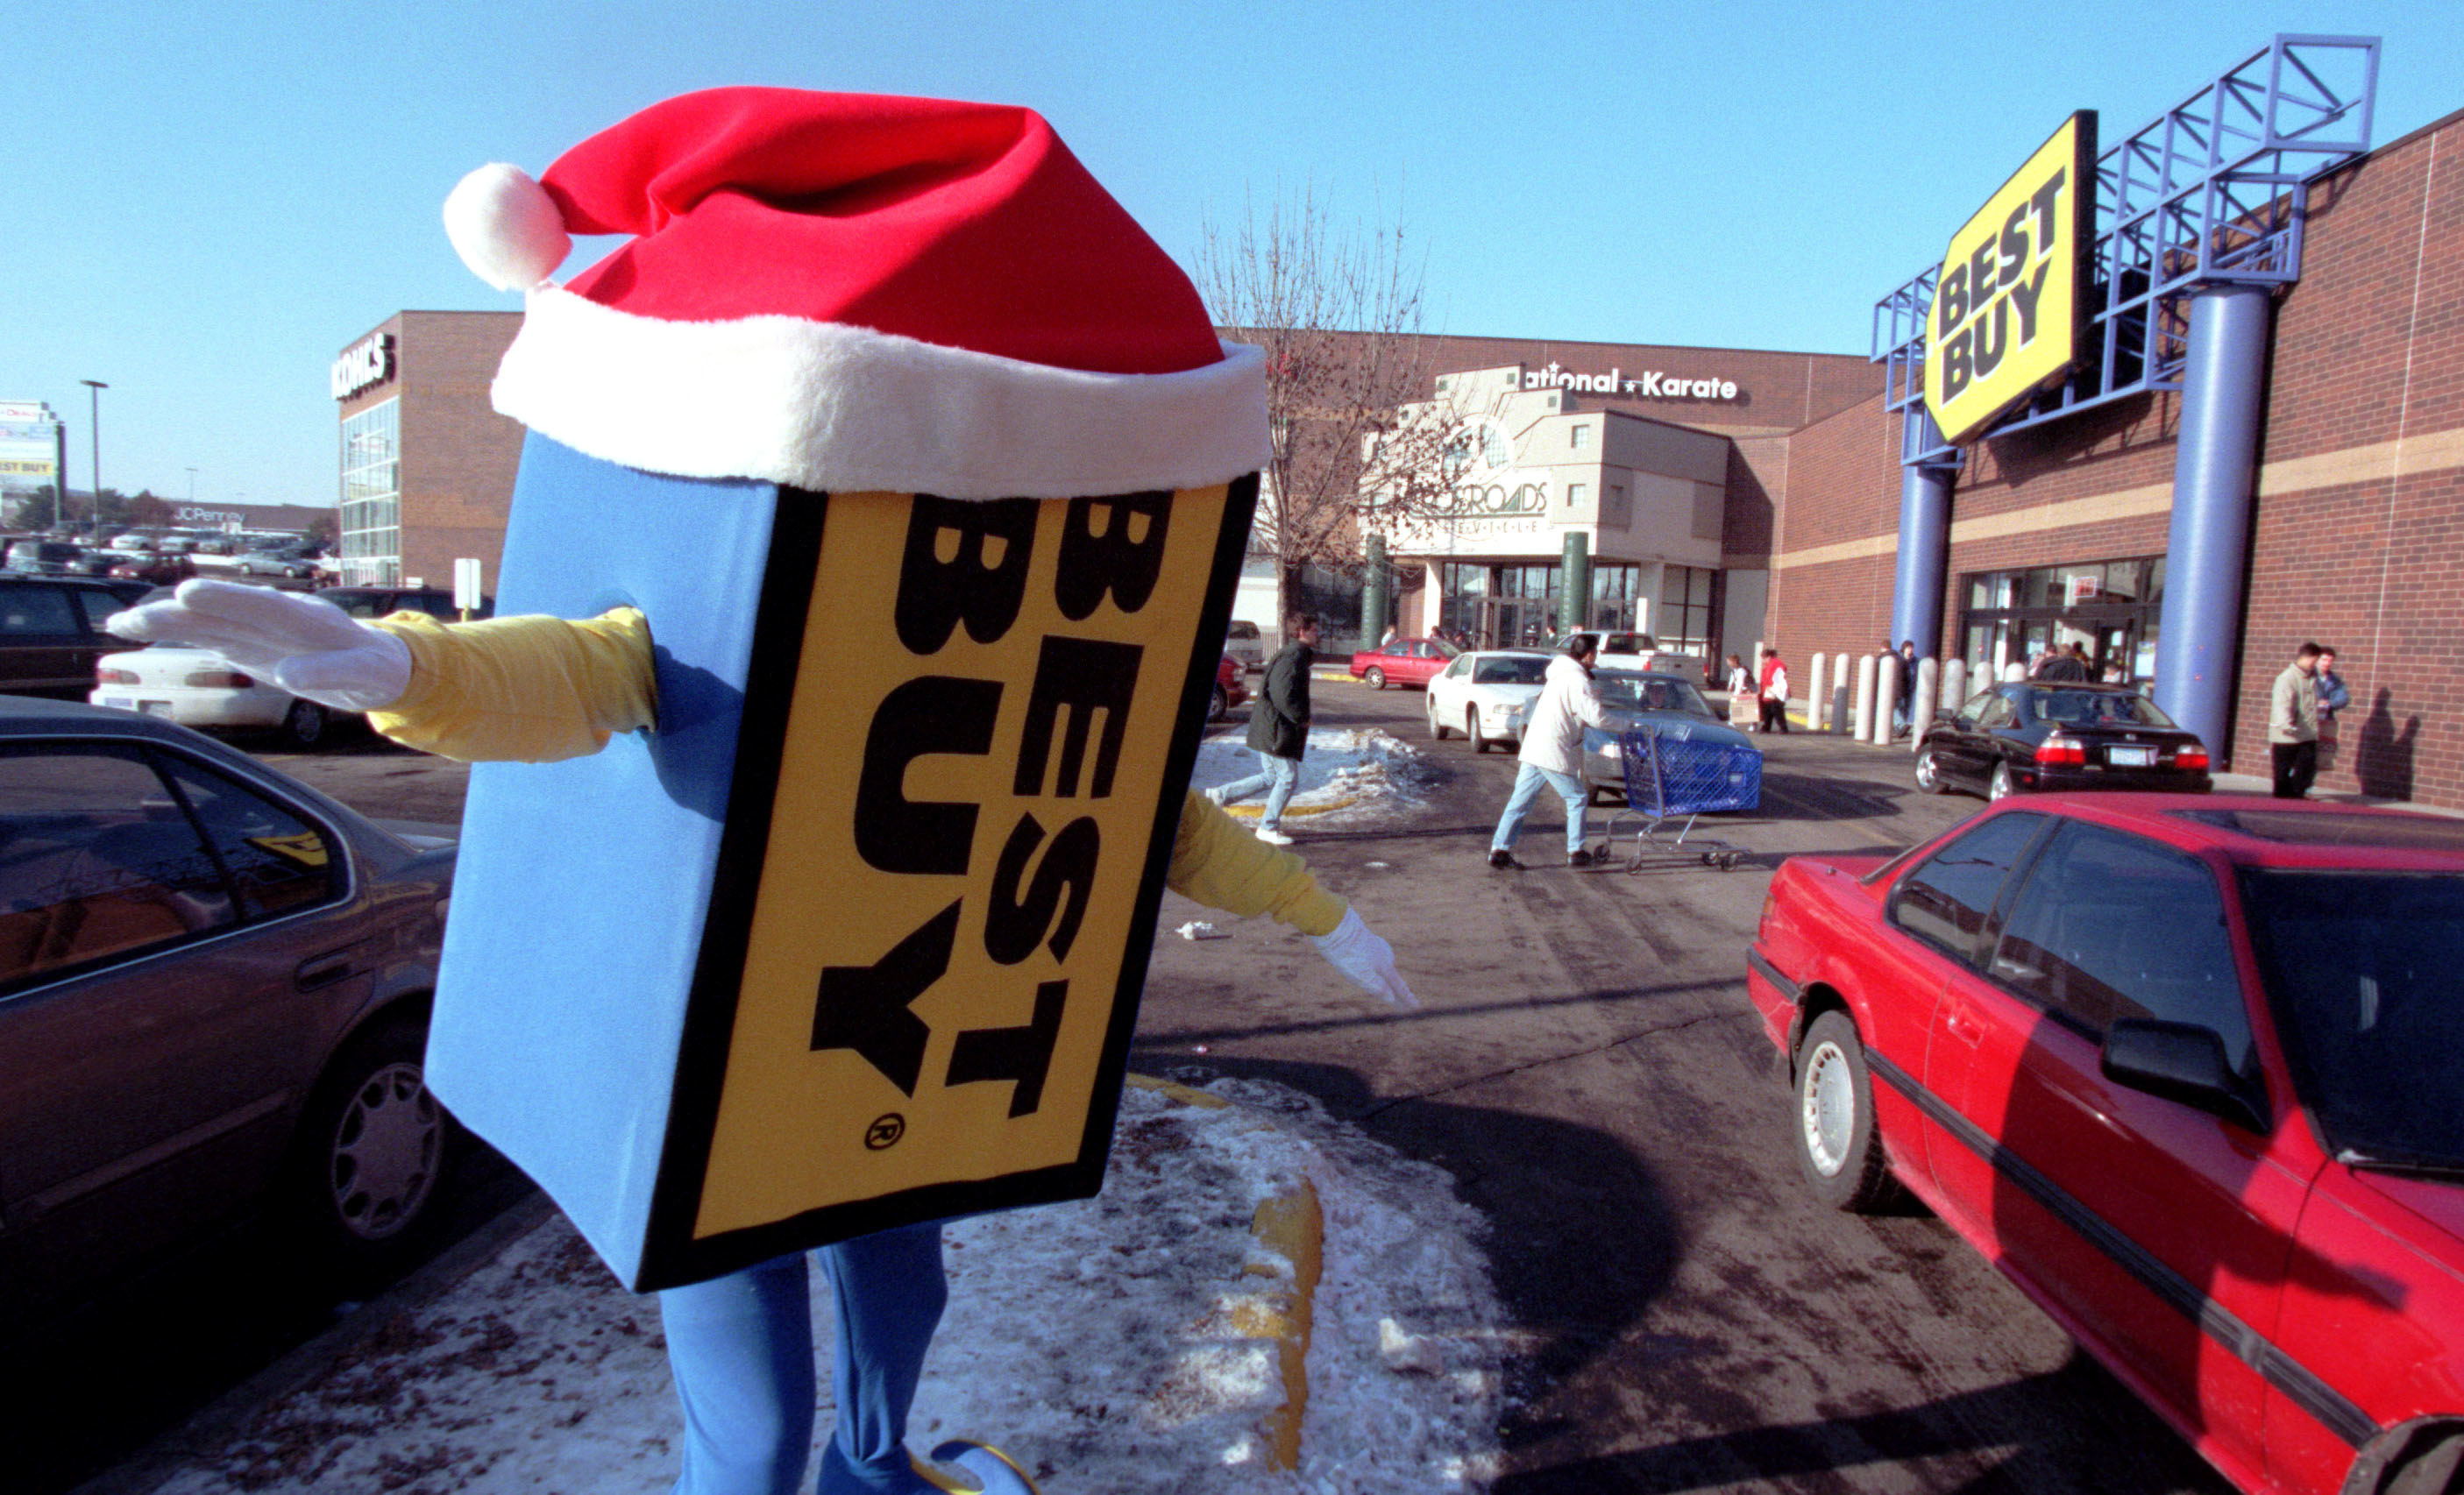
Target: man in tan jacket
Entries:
(2293, 725)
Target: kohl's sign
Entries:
(366, 362)
(1651, 384)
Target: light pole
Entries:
(94, 398)
(192, 487)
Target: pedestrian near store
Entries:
(1741, 693)
(1552, 753)
(2333, 697)
(1773, 693)
(1900, 711)
(1279, 723)
(2064, 663)
(2293, 724)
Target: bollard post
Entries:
(1813, 703)
(1886, 699)
(2014, 670)
(1862, 724)
(1954, 684)
(1921, 707)
(1840, 692)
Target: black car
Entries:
(214, 989)
(51, 631)
(377, 602)
(2030, 736)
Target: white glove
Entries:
(1365, 960)
(308, 647)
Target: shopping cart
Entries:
(1666, 777)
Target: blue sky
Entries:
(206, 203)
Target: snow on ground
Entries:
(1348, 775)
(1135, 1342)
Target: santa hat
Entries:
(852, 294)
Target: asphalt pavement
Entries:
(1677, 1313)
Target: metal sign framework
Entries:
(2213, 191)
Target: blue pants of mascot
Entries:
(740, 1348)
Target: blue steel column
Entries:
(1925, 536)
(2216, 461)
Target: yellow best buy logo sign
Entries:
(2006, 305)
(940, 917)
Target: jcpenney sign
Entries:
(1652, 384)
(367, 362)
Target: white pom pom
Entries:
(506, 228)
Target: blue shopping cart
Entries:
(1668, 776)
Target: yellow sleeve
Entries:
(533, 690)
(1222, 866)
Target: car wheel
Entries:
(1836, 1145)
(1929, 774)
(2001, 787)
(1471, 729)
(1217, 707)
(372, 1150)
(1437, 728)
(306, 724)
(1376, 677)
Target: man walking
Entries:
(2293, 725)
(1774, 692)
(1552, 753)
(1279, 723)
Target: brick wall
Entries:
(2360, 504)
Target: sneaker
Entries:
(1273, 837)
(1215, 796)
(1505, 861)
(1586, 857)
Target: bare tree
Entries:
(1338, 314)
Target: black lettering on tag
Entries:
(982, 586)
(1014, 926)
(1125, 559)
(1085, 675)
(932, 713)
(1020, 1055)
(863, 1007)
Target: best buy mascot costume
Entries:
(876, 535)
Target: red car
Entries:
(2188, 1069)
(1403, 661)
(1231, 689)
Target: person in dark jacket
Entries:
(1279, 721)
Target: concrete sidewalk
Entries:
(1261, 1299)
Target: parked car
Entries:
(213, 1003)
(2184, 1068)
(197, 689)
(2026, 735)
(1669, 703)
(1242, 643)
(1638, 651)
(51, 631)
(43, 557)
(1231, 689)
(166, 568)
(1490, 693)
(377, 602)
(288, 565)
(1403, 661)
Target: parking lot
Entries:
(1587, 1073)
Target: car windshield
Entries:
(1510, 670)
(2366, 972)
(1636, 693)
(2097, 708)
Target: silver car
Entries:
(1636, 698)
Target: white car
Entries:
(194, 687)
(1487, 695)
(1244, 642)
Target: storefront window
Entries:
(2108, 607)
(371, 506)
(1683, 620)
(1616, 596)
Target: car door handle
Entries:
(1963, 1025)
(323, 970)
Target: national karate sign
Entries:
(916, 987)
(2006, 307)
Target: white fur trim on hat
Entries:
(838, 409)
(505, 227)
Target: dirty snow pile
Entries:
(1162, 1336)
(1348, 776)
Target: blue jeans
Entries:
(1279, 777)
(741, 1348)
(1528, 780)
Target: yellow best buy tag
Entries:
(946, 907)
(2006, 306)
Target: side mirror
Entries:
(2180, 1062)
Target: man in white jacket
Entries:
(1552, 753)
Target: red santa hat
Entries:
(857, 294)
